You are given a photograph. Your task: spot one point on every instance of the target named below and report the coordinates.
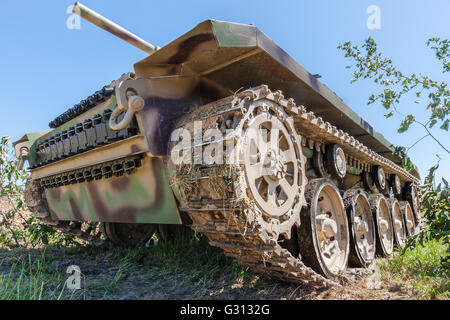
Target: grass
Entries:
(30, 278)
(420, 269)
(201, 264)
(182, 268)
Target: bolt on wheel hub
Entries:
(361, 227)
(327, 228)
(273, 167)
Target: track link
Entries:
(252, 247)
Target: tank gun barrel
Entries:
(108, 25)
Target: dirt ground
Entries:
(157, 273)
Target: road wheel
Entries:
(383, 223)
(171, 232)
(408, 218)
(412, 196)
(397, 222)
(128, 235)
(362, 228)
(323, 234)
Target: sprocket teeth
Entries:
(278, 96)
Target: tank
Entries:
(222, 133)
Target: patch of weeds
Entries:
(29, 278)
(420, 268)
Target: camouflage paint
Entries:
(143, 197)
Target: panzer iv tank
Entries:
(222, 132)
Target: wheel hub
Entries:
(273, 166)
(327, 226)
(384, 225)
(361, 227)
(398, 225)
(409, 223)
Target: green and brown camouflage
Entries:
(123, 177)
(142, 197)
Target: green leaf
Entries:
(390, 114)
(404, 125)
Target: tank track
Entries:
(225, 228)
(223, 222)
(37, 204)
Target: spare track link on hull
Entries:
(37, 204)
(220, 217)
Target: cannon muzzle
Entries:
(115, 29)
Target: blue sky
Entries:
(47, 67)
